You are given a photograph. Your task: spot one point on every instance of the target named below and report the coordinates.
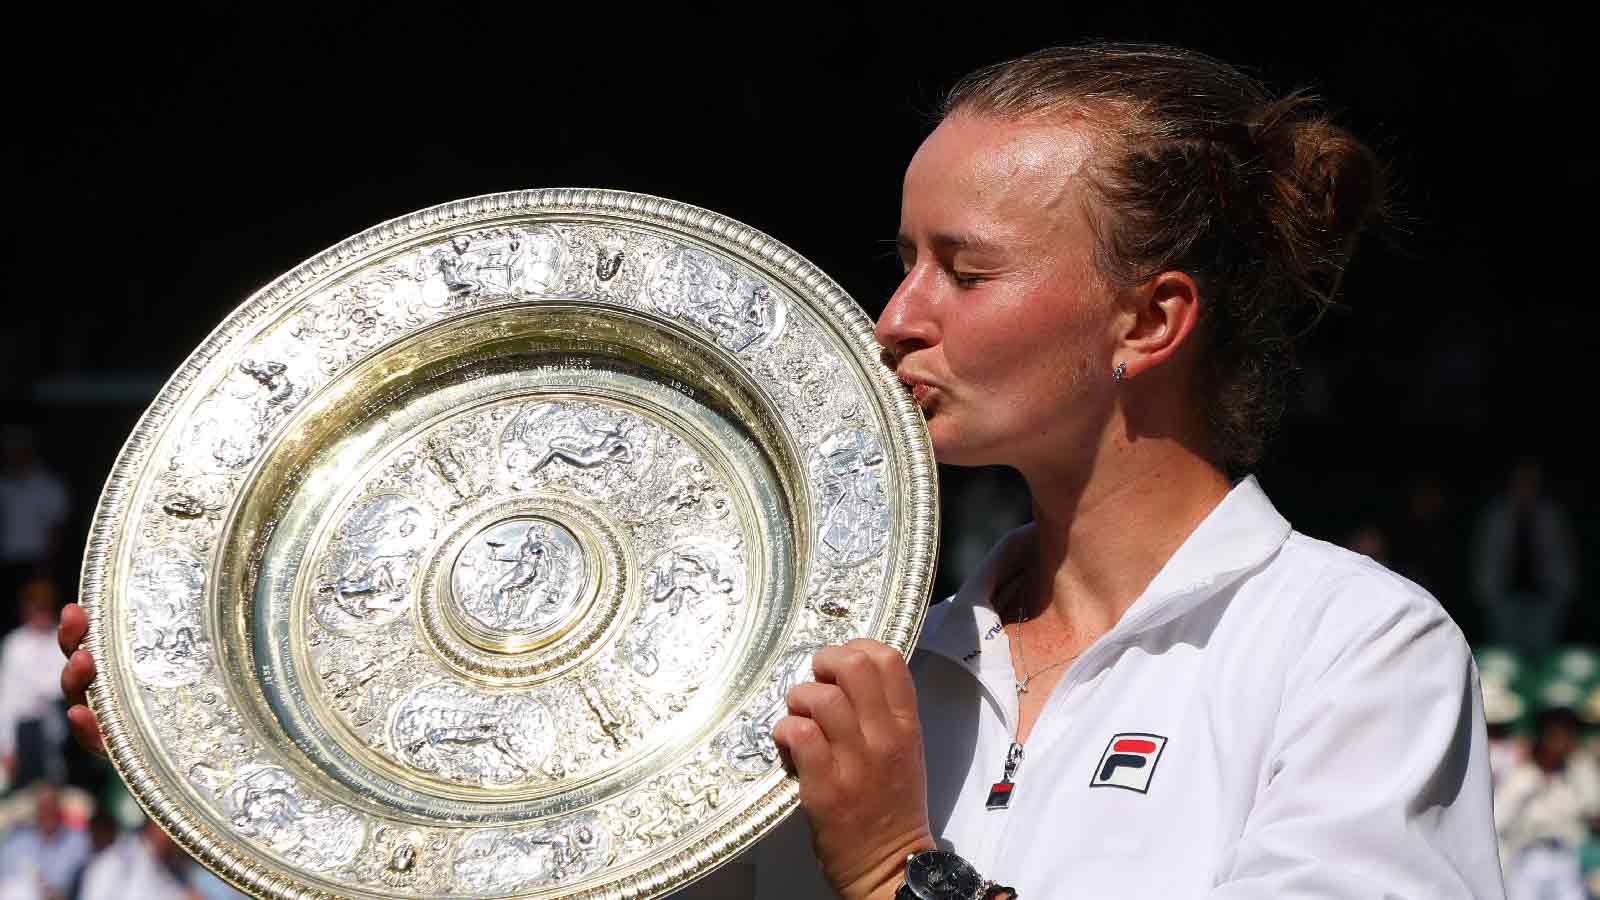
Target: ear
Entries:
(1158, 317)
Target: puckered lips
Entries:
(919, 387)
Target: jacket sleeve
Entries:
(1376, 779)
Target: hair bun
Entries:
(1325, 184)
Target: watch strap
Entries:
(989, 891)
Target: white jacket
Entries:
(1288, 719)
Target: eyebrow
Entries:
(948, 241)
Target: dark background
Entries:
(172, 162)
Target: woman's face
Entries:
(1002, 326)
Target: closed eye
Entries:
(902, 252)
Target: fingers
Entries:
(844, 723)
(894, 676)
(879, 685)
(808, 749)
(85, 730)
(75, 677)
(827, 706)
(74, 625)
(899, 689)
(854, 672)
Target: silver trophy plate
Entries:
(475, 556)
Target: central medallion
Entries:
(518, 583)
(524, 589)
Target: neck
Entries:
(1101, 537)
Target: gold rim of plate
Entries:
(474, 555)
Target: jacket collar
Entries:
(1241, 533)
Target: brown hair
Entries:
(1201, 169)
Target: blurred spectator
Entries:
(1524, 568)
(145, 864)
(103, 829)
(42, 861)
(32, 718)
(33, 511)
(1542, 810)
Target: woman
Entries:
(1157, 688)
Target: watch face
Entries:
(940, 875)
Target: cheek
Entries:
(1021, 358)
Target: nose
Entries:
(907, 323)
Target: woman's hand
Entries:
(856, 743)
(75, 678)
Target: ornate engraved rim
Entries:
(776, 795)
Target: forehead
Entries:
(981, 172)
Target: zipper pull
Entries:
(1013, 760)
(1000, 791)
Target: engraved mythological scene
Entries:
(521, 575)
(266, 803)
(367, 575)
(525, 577)
(169, 640)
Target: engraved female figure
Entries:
(377, 551)
(594, 448)
(679, 579)
(601, 445)
(503, 861)
(530, 565)
(263, 805)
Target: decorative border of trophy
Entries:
(475, 556)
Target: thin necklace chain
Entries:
(1022, 653)
(1000, 793)
(1022, 656)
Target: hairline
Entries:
(1101, 129)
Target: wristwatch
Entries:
(942, 875)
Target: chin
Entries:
(952, 448)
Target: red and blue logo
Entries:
(1129, 761)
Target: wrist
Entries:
(881, 881)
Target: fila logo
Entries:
(1129, 761)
